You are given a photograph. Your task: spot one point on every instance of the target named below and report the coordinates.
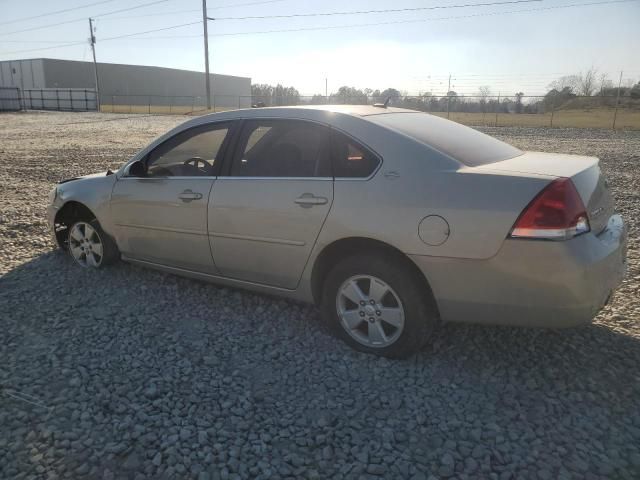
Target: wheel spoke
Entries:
(353, 292)
(376, 334)
(392, 316)
(96, 247)
(76, 234)
(88, 232)
(76, 251)
(352, 318)
(91, 260)
(377, 290)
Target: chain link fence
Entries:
(541, 111)
(551, 110)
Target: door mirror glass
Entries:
(137, 169)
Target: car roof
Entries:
(304, 110)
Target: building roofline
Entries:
(122, 65)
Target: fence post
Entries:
(449, 103)
(497, 110)
(149, 104)
(86, 102)
(615, 112)
(214, 104)
(553, 109)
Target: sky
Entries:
(518, 46)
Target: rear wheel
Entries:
(90, 246)
(378, 305)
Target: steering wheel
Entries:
(195, 161)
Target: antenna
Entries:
(383, 105)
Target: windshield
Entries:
(464, 144)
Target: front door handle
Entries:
(308, 200)
(189, 196)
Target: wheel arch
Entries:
(335, 251)
(70, 212)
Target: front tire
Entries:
(90, 246)
(378, 305)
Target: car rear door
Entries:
(161, 217)
(266, 212)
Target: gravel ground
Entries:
(129, 373)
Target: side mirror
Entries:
(137, 169)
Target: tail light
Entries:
(556, 213)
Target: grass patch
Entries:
(574, 118)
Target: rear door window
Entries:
(282, 148)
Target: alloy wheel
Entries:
(370, 311)
(85, 245)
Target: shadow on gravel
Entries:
(46, 292)
(131, 362)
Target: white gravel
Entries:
(129, 373)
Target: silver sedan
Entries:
(390, 220)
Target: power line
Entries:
(46, 48)
(335, 27)
(131, 8)
(321, 28)
(363, 12)
(84, 19)
(246, 4)
(23, 19)
(127, 35)
(179, 12)
(109, 38)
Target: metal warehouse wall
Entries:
(22, 74)
(134, 84)
(126, 84)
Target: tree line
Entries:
(570, 91)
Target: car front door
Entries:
(161, 216)
(266, 212)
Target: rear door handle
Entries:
(308, 200)
(189, 196)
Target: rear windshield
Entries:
(464, 144)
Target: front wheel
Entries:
(378, 305)
(90, 246)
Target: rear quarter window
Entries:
(350, 159)
(465, 144)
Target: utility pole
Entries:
(206, 52)
(92, 39)
(326, 88)
(448, 96)
(615, 113)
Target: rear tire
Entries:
(378, 305)
(90, 246)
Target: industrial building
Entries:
(126, 84)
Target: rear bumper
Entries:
(532, 282)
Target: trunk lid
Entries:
(583, 171)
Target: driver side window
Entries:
(192, 153)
